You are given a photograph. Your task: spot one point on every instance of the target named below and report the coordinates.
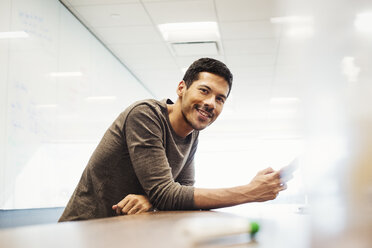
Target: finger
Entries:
(118, 210)
(266, 171)
(142, 210)
(274, 195)
(128, 207)
(121, 205)
(145, 208)
(134, 210)
(276, 181)
(283, 186)
(275, 174)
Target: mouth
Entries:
(204, 114)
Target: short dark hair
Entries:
(207, 65)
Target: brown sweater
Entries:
(139, 154)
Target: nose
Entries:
(210, 102)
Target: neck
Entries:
(177, 121)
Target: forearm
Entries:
(219, 198)
(265, 186)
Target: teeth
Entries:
(203, 113)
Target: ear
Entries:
(181, 88)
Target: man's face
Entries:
(203, 101)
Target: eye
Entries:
(220, 99)
(203, 91)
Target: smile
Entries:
(204, 113)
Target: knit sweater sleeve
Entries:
(144, 135)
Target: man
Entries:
(146, 158)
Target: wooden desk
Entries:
(158, 229)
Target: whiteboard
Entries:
(60, 91)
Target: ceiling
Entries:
(260, 52)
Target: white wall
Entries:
(4, 46)
(51, 124)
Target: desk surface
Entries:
(158, 229)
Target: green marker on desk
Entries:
(254, 228)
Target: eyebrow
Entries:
(209, 88)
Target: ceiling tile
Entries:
(241, 79)
(287, 74)
(239, 47)
(185, 62)
(254, 90)
(293, 8)
(165, 63)
(195, 48)
(91, 2)
(160, 75)
(247, 30)
(291, 52)
(253, 72)
(114, 15)
(254, 94)
(245, 10)
(289, 58)
(251, 60)
(181, 11)
(286, 90)
(139, 34)
(146, 50)
(251, 98)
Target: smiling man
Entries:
(145, 160)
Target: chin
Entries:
(200, 127)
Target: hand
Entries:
(266, 185)
(132, 204)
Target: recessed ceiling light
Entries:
(297, 26)
(301, 31)
(284, 100)
(115, 16)
(292, 19)
(350, 69)
(363, 22)
(190, 31)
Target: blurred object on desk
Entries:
(338, 104)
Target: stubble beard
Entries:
(196, 107)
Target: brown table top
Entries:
(155, 229)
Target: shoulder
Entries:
(150, 104)
(147, 113)
(147, 107)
